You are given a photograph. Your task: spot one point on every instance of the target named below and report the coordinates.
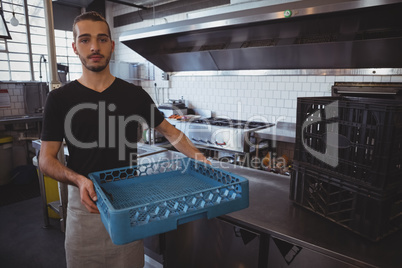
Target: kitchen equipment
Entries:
(153, 198)
(172, 111)
(222, 133)
(152, 136)
(173, 107)
(368, 89)
(325, 34)
(144, 150)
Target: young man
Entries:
(97, 115)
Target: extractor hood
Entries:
(336, 34)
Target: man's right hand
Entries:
(50, 165)
(88, 194)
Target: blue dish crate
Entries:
(153, 198)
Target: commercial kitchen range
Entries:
(222, 133)
(233, 140)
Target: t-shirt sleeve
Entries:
(155, 117)
(52, 129)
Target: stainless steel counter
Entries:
(272, 212)
(19, 119)
(142, 150)
(282, 131)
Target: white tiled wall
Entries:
(271, 98)
(16, 93)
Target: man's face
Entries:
(93, 45)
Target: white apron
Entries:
(88, 244)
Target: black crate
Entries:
(359, 139)
(372, 215)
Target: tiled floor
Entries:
(25, 243)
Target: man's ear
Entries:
(74, 48)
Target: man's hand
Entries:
(88, 194)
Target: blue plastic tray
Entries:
(153, 198)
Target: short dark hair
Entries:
(90, 15)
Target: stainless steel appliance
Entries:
(173, 107)
(368, 89)
(311, 34)
(222, 133)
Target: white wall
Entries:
(16, 93)
(239, 97)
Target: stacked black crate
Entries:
(348, 162)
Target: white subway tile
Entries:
(356, 78)
(340, 79)
(386, 79)
(330, 79)
(276, 111)
(302, 94)
(311, 79)
(289, 86)
(247, 108)
(376, 78)
(258, 86)
(294, 79)
(315, 87)
(281, 86)
(240, 78)
(257, 102)
(254, 110)
(261, 111)
(302, 78)
(396, 79)
(277, 94)
(306, 87)
(254, 78)
(367, 79)
(267, 110)
(261, 93)
(288, 103)
(273, 86)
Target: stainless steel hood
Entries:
(299, 35)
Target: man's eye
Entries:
(103, 40)
(84, 40)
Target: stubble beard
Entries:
(95, 69)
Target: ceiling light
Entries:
(14, 21)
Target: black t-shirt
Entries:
(100, 129)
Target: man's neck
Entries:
(96, 81)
